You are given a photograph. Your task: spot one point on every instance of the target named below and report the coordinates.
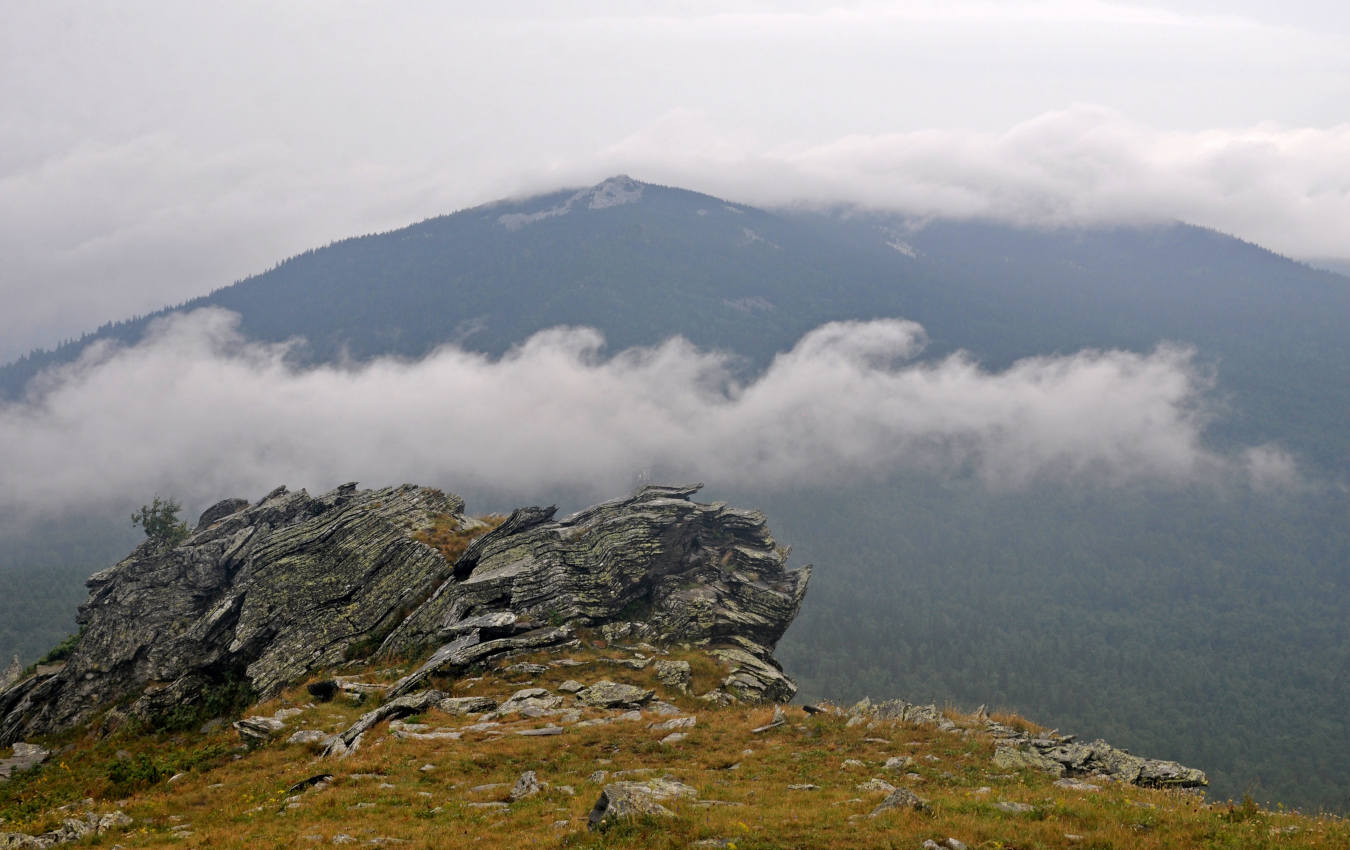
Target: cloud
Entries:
(198, 412)
(1285, 188)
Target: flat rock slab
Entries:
(25, 756)
(607, 694)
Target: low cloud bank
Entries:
(1286, 188)
(199, 412)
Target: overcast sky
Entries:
(153, 151)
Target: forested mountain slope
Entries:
(1205, 622)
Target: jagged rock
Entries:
(265, 593)
(607, 694)
(467, 650)
(258, 730)
(1061, 755)
(526, 786)
(1057, 755)
(571, 686)
(675, 674)
(11, 674)
(401, 707)
(620, 800)
(466, 705)
(901, 798)
(691, 572)
(71, 829)
(1169, 774)
(25, 756)
(268, 593)
(1007, 758)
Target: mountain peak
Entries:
(611, 192)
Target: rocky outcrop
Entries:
(264, 594)
(655, 567)
(1048, 752)
(258, 594)
(11, 674)
(24, 757)
(80, 826)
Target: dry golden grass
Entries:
(446, 534)
(232, 798)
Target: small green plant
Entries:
(62, 650)
(131, 774)
(226, 698)
(160, 521)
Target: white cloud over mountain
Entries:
(197, 411)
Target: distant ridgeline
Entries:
(1183, 621)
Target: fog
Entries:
(198, 413)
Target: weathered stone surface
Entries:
(401, 707)
(1169, 774)
(466, 705)
(1007, 758)
(901, 798)
(71, 829)
(607, 694)
(266, 592)
(269, 592)
(669, 568)
(11, 674)
(258, 730)
(526, 786)
(1062, 756)
(621, 800)
(1057, 755)
(675, 674)
(25, 756)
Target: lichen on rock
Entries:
(261, 595)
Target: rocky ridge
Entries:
(262, 594)
(637, 635)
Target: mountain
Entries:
(642, 263)
(1201, 622)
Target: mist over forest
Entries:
(1063, 472)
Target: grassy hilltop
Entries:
(442, 780)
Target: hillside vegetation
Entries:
(1204, 622)
(440, 780)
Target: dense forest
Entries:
(1202, 623)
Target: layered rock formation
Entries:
(655, 567)
(263, 594)
(258, 593)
